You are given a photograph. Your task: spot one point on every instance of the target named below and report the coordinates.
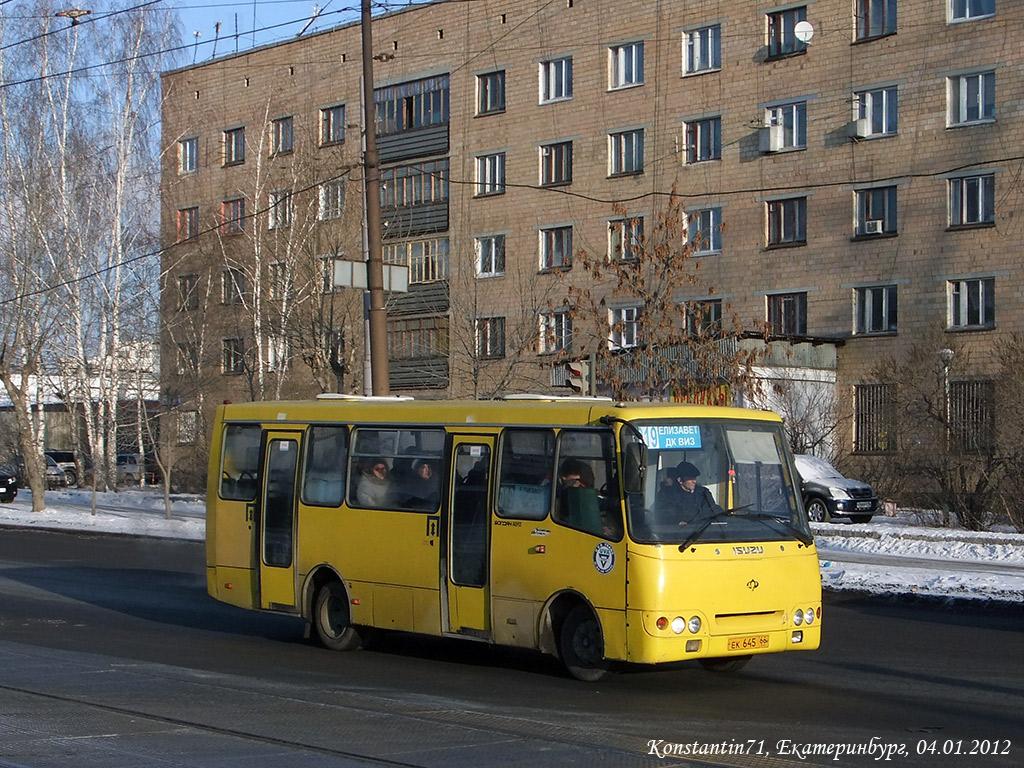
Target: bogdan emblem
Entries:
(604, 557)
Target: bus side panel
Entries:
(533, 560)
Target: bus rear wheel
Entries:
(581, 645)
(728, 664)
(332, 619)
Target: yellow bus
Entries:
(556, 524)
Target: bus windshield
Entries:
(707, 481)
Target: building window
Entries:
(972, 201)
(787, 221)
(188, 359)
(874, 418)
(330, 199)
(876, 309)
(966, 10)
(972, 98)
(188, 155)
(786, 126)
(782, 39)
(704, 231)
(332, 125)
(188, 223)
(876, 112)
(556, 247)
(490, 174)
(232, 356)
(281, 209)
(556, 163)
(704, 318)
(414, 184)
(626, 152)
(282, 135)
(327, 271)
(626, 65)
(490, 337)
(972, 303)
(625, 239)
(555, 332)
(490, 93)
(972, 415)
(417, 339)
(702, 50)
(232, 286)
(624, 327)
(556, 80)
(188, 291)
(787, 314)
(188, 427)
(876, 211)
(490, 256)
(279, 278)
(412, 106)
(278, 353)
(703, 139)
(426, 259)
(234, 146)
(232, 216)
(875, 18)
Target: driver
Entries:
(685, 500)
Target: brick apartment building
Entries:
(856, 193)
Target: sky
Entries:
(900, 555)
(260, 22)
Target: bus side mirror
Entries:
(634, 466)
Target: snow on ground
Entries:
(889, 555)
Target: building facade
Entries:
(848, 170)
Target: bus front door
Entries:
(468, 538)
(276, 524)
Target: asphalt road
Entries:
(111, 654)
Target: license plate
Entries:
(863, 505)
(747, 643)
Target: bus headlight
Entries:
(809, 616)
(694, 624)
(679, 625)
(798, 617)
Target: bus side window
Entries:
(240, 462)
(323, 482)
(524, 473)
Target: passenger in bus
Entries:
(374, 485)
(422, 489)
(686, 500)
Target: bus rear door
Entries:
(467, 577)
(276, 523)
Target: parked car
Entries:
(131, 466)
(66, 461)
(8, 487)
(52, 474)
(828, 494)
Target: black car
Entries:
(828, 494)
(8, 487)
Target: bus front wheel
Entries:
(331, 619)
(727, 664)
(581, 645)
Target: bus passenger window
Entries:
(398, 468)
(323, 482)
(240, 462)
(588, 496)
(524, 473)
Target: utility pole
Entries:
(374, 261)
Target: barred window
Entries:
(874, 426)
(414, 184)
(971, 416)
(426, 259)
(411, 106)
(417, 338)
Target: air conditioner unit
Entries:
(873, 227)
(773, 138)
(860, 128)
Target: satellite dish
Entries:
(803, 31)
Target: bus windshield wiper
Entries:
(701, 528)
(761, 517)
